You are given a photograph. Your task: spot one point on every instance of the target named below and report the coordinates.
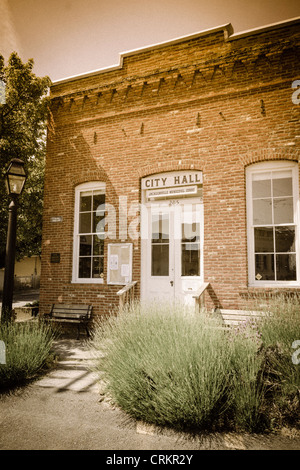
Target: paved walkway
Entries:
(22, 298)
(73, 370)
(25, 296)
(64, 410)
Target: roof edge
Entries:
(228, 36)
(251, 32)
(227, 28)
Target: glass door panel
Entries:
(160, 244)
(190, 249)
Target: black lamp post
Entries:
(15, 178)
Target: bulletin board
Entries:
(119, 267)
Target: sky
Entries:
(72, 37)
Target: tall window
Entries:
(89, 233)
(273, 223)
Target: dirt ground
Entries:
(64, 410)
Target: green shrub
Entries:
(245, 370)
(27, 349)
(281, 376)
(167, 366)
(281, 323)
(173, 368)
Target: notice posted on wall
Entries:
(119, 263)
(114, 262)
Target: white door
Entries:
(172, 255)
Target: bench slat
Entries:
(62, 320)
(235, 317)
(70, 307)
(241, 312)
(79, 310)
(70, 316)
(70, 311)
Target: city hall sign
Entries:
(172, 179)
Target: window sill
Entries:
(268, 291)
(265, 285)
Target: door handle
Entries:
(172, 283)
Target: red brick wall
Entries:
(206, 104)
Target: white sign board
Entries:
(172, 179)
(119, 263)
(182, 191)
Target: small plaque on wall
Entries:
(55, 258)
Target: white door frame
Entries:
(160, 287)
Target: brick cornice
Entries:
(221, 68)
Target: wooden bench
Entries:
(235, 317)
(65, 313)
(230, 317)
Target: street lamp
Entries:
(15, 178)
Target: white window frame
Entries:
(96, 186)
(260, 168)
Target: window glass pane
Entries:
(164, 227)
(191, 232)
(262, 211)
(155, 227)
(84, 267)
(97, 267)
(264, 241)
(85, 222)
(98, 222)
(85, 201)
(285, 239)
(261, 188)
(266, 175)
(160, 228)
(190, 259)
(264, 267)
(283, 210)
(85, 248)
(282, 187)
(98, 201)
(98, 245)
(160, 260)
(286, 267)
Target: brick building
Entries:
(177, 167)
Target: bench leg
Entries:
(86, 329)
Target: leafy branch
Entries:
(24, 119)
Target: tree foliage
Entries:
(24, 112)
